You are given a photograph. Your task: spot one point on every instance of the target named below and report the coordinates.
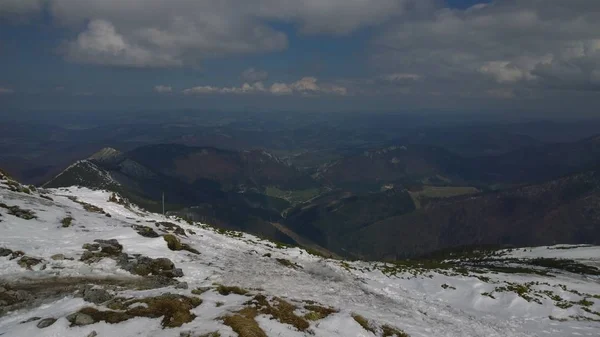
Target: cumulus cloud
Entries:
(100, 43)
(533, 43)
(6, 91)
(304, 86)
(136, 33)
(162, 89)
(253, 75)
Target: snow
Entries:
(419, 305)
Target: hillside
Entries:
(205, 198)
(374, 169)
(564, 210)
(73, 263)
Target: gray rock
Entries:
(96, 296)
(91, 247)
(92, 334)
(5, 251)
(111, 247)
(32, 319)
(83, 319)
(46, 322)
(181, 285)
(57, 257)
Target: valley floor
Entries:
(236, 284)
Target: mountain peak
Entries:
(105, 153)
(108, 156)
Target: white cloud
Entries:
(401, 77)
(6, 91)
(100, 43)
(502, 71)
(254, 75)
(162, 89)
(137, 33)
(305, 86)
(550, 43)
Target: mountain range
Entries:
(395, 201)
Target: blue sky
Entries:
(325, 54)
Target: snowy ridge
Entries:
(416, 299)
(87, 167)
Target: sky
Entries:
(525, 56)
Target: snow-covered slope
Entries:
(55, 280)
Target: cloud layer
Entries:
(304, 86)
(526, 43)
(504, 49)
(136, 33)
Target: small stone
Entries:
(96, 296)
(46, 322)
(91, 246)
(111, 247)
(16, 254)
(57, 257)
(83, 319)
(92, 334)
(5, 251)
(181, 285)
(32, 319)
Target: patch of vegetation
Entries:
(363, 322)
(317, 312)
(523, 290)
(88, 207)
(200, 291)
(490, 295)
(565, 264)
(585, 302)
(219, 304)
(289, 263)
(244, 324)
(293, 196)
(389, 331)
(66, 222)
(281, 310)
(225, 290)
(174, 244)
(174, 309)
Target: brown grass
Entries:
(244, 324)
(318, 312)
(389, 331)
(225, 290)
(175, 310)
(363, 322)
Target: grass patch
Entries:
(281, 310)
(200, 291)
(317, 312)
(244, 323)
(289, 263)
(363, 322)
(389, 331)
(225, 290)
(174, 309)
(66, 222)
